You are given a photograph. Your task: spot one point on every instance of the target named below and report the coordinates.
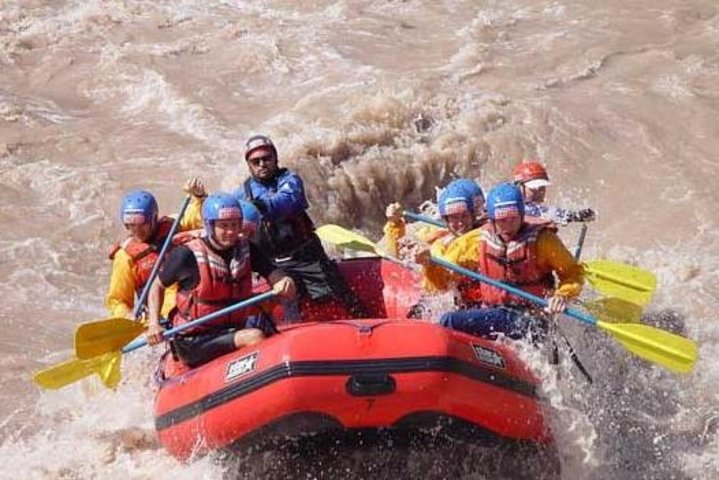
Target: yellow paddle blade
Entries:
(671, 351)
(65, 373)
(70, 371)
(614, 310)
(109, 369)
(344, 238)
(619, 280)
(104, 336)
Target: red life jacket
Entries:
(514, 263)
(220, 286)
(143, 254)
(185, 237)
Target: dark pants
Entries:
(196, 350)
(318, 277)
(488, 322)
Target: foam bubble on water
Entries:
(562, 389)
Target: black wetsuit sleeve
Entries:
(181, 268)
(260, 262)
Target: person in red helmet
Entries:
(532, 179)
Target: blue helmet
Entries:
(472, 189)
(251, 217)
(138, 207)
(505, 200)
(220, 206)
(455, 198)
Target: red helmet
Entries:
(259, 141)
(530, 171)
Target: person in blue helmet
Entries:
(512, 248)
(134, 258)
(251, 220)
(287, 233)
(213, 272)
(460, 205)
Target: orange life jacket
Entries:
(143, 254)
(469, 290)
(220, 286)
(514, 263)
(185, 237)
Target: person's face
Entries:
(226, 232)
(479, 209)
(262, 163)
(459, 223)
(141, 232)
(508, 228)
(534, 195)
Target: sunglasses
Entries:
(257, 160)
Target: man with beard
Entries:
(287, 234)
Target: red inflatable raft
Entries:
(351, 374)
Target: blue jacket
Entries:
(283, 197)
(283, 204)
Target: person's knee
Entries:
(248, 336)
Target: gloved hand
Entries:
(196, 188)
(394, 212)
(583, 215)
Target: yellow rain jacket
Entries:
(552, 255)
(394, 231)
(120, 300)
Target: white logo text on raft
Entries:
(241, 366)
(488, 356)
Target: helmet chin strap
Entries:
(153, 227)
(214, 244)
(209, 231)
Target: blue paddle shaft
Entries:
(227, 310)
(156, 267)
(513, 290)
(422, 218)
